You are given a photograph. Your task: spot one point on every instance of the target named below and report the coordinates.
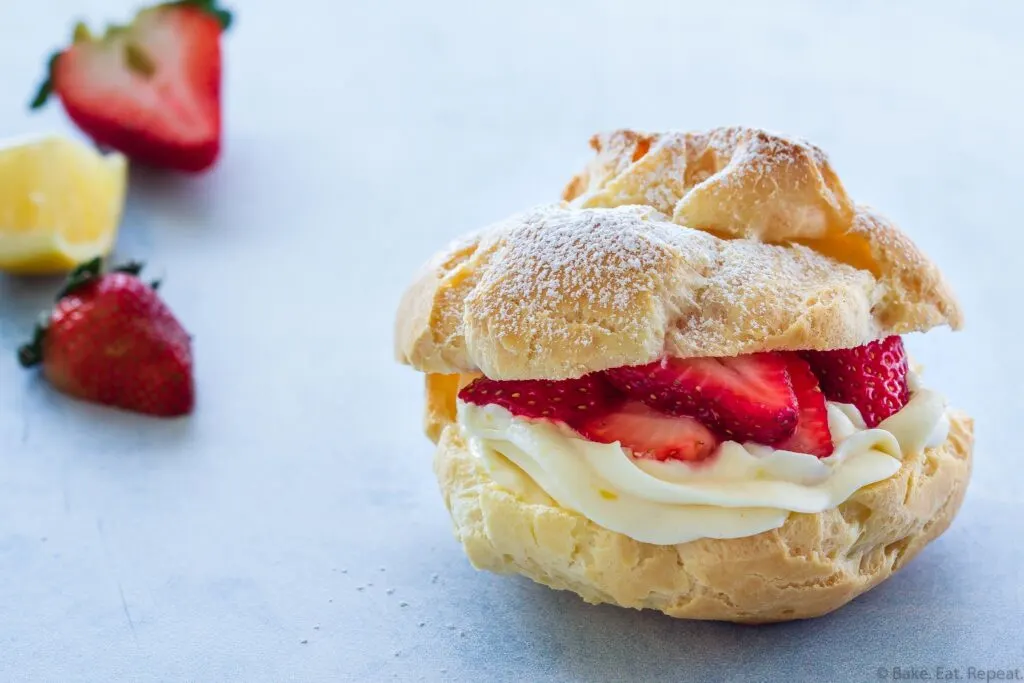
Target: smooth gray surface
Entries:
(291, 529)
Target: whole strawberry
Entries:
(150, 89)
(111, 340)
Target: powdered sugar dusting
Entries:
(581, 285)
(583, 261)
(570, 288)
(571, 256)
(757, 292)
(608, 279)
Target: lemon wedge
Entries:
(60, 204)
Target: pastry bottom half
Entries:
(810, 566)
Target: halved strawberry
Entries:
(872, 377)
(150, 89)
(651, 434)
(745, 398)
(812, 434)
(565, 400)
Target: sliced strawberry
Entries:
(872, 377)
(150, 89)
(745, 398)
(651, 434)
(812, 434)
(565, 400)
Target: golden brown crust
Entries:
(440, 391)
(742, 182)
(559, 292)
(440, 409)
(810, 566)
(914, 294)
(733, 182)
(428, 327)
(774, 256)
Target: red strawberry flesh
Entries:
(812, 433)
(648, 433)
(873, 377)
(744, 398)
(559, 400)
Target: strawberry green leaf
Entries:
(222, 15)
(81, 276)
(46, 87)
(31, 354)
(130, 268)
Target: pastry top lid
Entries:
(683, 244)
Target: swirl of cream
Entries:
(743, 490)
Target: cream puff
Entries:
(684, 387)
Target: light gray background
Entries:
(291, 529)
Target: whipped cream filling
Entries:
(744, 489)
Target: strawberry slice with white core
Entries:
(812, 434)
(648, 433)
(743, 398)
(150, 89)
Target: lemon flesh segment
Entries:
(60, 204)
